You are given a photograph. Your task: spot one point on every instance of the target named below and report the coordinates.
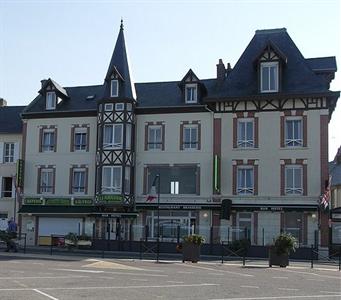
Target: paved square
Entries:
(61, 278)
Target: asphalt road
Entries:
(61, 278)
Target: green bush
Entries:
(194, 238)
(240, 246)
(285, 243)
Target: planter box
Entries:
(84, 243)
(281, 260)
(190, 252)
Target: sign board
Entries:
(336, 215)
(33, 201)
(83, 202)
(275, 208)
(20, 173)
(110, 198)
(58, 201)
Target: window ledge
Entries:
(245, 149)
(294, 148)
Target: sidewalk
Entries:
(41, 252)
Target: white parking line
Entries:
(288, 289)
(40, 277)
(279, 277)
(218, 271)
(250, 286)
(278, 297)
(329, 292)
(308, 273)
(313, 279)
(47, 295)
(81, 271)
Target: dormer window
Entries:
(191, 93)
(269, 77)
(50, 100)
(114, 88)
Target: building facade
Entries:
(244, 154)
(10, 153)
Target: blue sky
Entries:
(72, 41)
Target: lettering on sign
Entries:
(58, 201)
(33, 201)
(83, 202)
(109, 198)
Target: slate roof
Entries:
(335, 172)
(298, 77)
(10, 120)
(119, 62)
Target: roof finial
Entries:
(121, 27)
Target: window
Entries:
(7, 183)
(113, 136)
(78, 181)
(293, 180)
(80, 138)
(127, 181)
(129, 107)
(108, 107)
(245, 182)
(114, 88)
(112, 180)
(119, 106)
(245, 133)
(293, 132)
(244, 229)
(190, 137)
(128, 136)
(191, 93)
(46, 181)
(154, 137)
(175, 180)
(48, 140)
(269, 77)
(50, 100)
(8, 152)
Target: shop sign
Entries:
(275, 208)
(110, 198)
(83, 202)
(58, 201)
(336, 215)
(20, 173)
(33, 201)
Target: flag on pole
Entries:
(325, 198)
(152, 193)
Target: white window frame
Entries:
(191, 145)
(51, 100)
(78, 189)
(119, 106)
(114, 93)
(245, 143)
(108, 106)
(293, 190)
(81, 146)
(48, 189)
(154, 145)
(127, 180)
(128, 136)
(9, 157)
(113, 145)
(268, 65)
(51, 146)
(112, 189)
(294, 142)
(194, 94)
(174, 187)
(242, 189)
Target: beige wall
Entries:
(63, 158)
(172, 153)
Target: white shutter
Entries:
(1, 152)
(16, 151)
(0, 186)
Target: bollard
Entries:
(340, 259)
(312, 256)
(222, 252)
(243, 258)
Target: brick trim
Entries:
(145, 180)
(163, 134)
(71, 180)
(255, 180)
(38, 180)
(282, 180)
(234, 179)
(54, 181)
(282, 131)
(256, 132)
(198, 181)
(249, 162)
(305, 131)
(298, 161)
(181, 144)
(87, 139)
(55, 139)
(86, 180)
(235, 133)
(146, 137)
(41, 139)
(72, 139)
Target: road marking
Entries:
(81, 271)
(139, 279)
(221, 271)
(109, 265)
(116, 287)
(313, 279)
(216, 274)
(184, 272)
(278, 297)
(307, 273)
(136, 274)
(47, 295)
(279, 277)
(250, 286)
(41, 277)
(20, 284)
(288, 289)
(170, 281)
(328, 292)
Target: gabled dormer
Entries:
(270, 63)
(53, 93)
(117, 81)
(191, 87)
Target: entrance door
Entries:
(245, 226)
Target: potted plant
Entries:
(280, 250)
(84, 240)
(240, 247)
(71, 240)
(191, 247)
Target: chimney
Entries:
(228, 70)
(221, 71)
(43, 82)
(337, 158)
(3, 102)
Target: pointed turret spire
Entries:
(120, 66)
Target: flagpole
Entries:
(158, 219)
